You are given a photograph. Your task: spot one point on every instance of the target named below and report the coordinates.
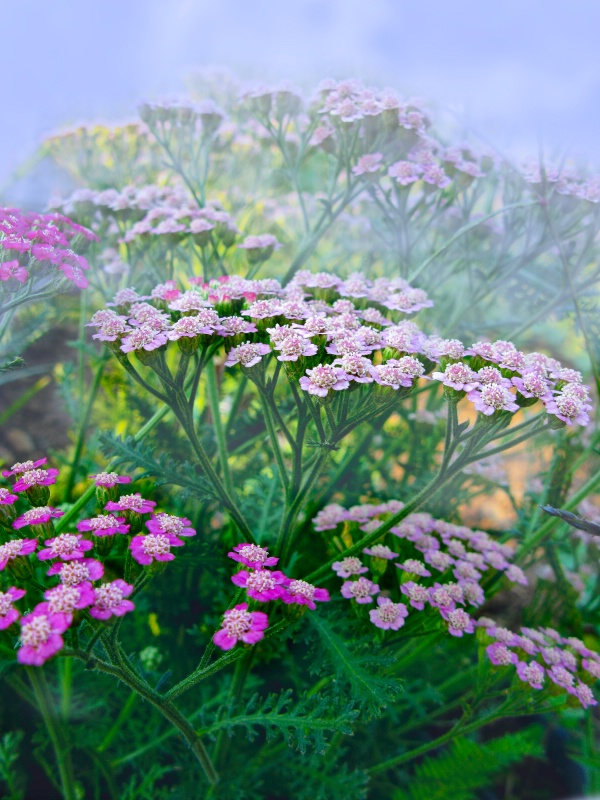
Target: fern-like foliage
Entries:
(129, 455)
(356, 667)
(302, 724)
(468, 766)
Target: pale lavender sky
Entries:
(517, 72)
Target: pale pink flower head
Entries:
(247, 355)
(6, 498)
(321, 379)
(516, 575)
(418, 595)
(388, 615)
(41, 635)
(262, 584)
(438, 560)
(440, 597)
(241, 625)
(368, 164)
(405, 172)
(109, 479)
(568, 408)
(329, 517)
(103, 525)
(415, 567)
(131, 502)
(348, 566)
(8, 613)
(72, 573)
(23, 466)
(360, 590)
(303, 593)
(492, 398)
(458, 376)
(459, 621)
(66, 546)
(15, 548)
(378, 551)
(500, 655)
(169, 523)
(154, 547)
(145, 337)
(109, 600)
(252, 556)
(590, 665)
(356, 368)
(35, 477)
(531, 673)
(584, 694)
(532, 384)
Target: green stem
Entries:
(283, 474)
(124, 714)
(213, 399)
(62, 751)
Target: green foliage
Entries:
(9, 753)
(468, 766)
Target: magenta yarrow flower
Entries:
(131, 502)
(252, 556)
(37, 516)
(302, 593)
(378, 551)
(154, 547)
(103, 525)
(262, 585)
(6, 498)
(169, 523)
(500, 655)
(12, 269)
(72, 573)
(23, 466)
(110, 600)
(66, 546)
(9, 614)
(388, 615)
(109, 479)
(531, 673)
(64, 599)
(360, 590)
(35, 477)
(584, 694)
(14, 548)
(459, 621)
(239, 624)
(321, 379)
(348, 566)
(41, 635)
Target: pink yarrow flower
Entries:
(247, 355)
(459, 621)
(531, 673)
(14, 548)
(457, 376)
(241, 625)
(41, 635)
(378, 551)
(252, 556)
(109, 479)
(321, 379)
(72, 573)
(9, 614)
(23, 466)
(418, 595)
(360, 590)
(110, 600)
(388, 615)
(64, 599)
(349, 566)
(500, 655)
(131, 502)
(303, 593)
(35, 477)
(262, 585)
(103, 525)
(492, 398)
(37, 516)
(169, 523)
(6, 498)
(66, 546)
(154, 547)
(415, 567)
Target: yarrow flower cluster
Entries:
(71, 556)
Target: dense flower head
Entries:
(6, 497)
(131, 502)
(15, 548)
(252, 556)
(109, 479)
(110, 600)
(360, 590)
(349, 566)
(23, 466)
(262, 584)
(154, 547)
(72, 573)
(103, 525)
(388, 615)
(35, 477)
(239, 624)
(8, 613)
(41, 635)
(37, 516)
(302, 593)
(64, 598)
(169, 523)
(66, 546)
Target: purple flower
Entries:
(388, 615)
(63, 599)
(154, 547)
(584, 694)
(417, 594)
(569, 409)
(302, 593)
(500, 655)
(109, 479)
(415, 567)
(247, 355)
(492, 398)
(592, 666)
(9, 614)
(109, 600)
(262, 584)
(131, 502)
(405, 172)
(252, 556)
(360, 590)
(440, 597)
(40, 635)
(66, 546)
(323, 378)
(143, 338)
(103, 525)
(516, 575)
(356, 368)
(438, 560)
(377, 551)
(72, 573)
(561, 677)
(14, 548)
(531, 673)
(349, 566)
(368, 164)
(239, 624)
(35, 477)
(457, 376)
(23, 466)
(6, 498)
(169, 523)
(37, 516)
(532, 384)
(459, 621)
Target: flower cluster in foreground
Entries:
(441, 568)
(76, 559)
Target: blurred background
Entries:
(522, 74)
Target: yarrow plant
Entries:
(313, 330)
